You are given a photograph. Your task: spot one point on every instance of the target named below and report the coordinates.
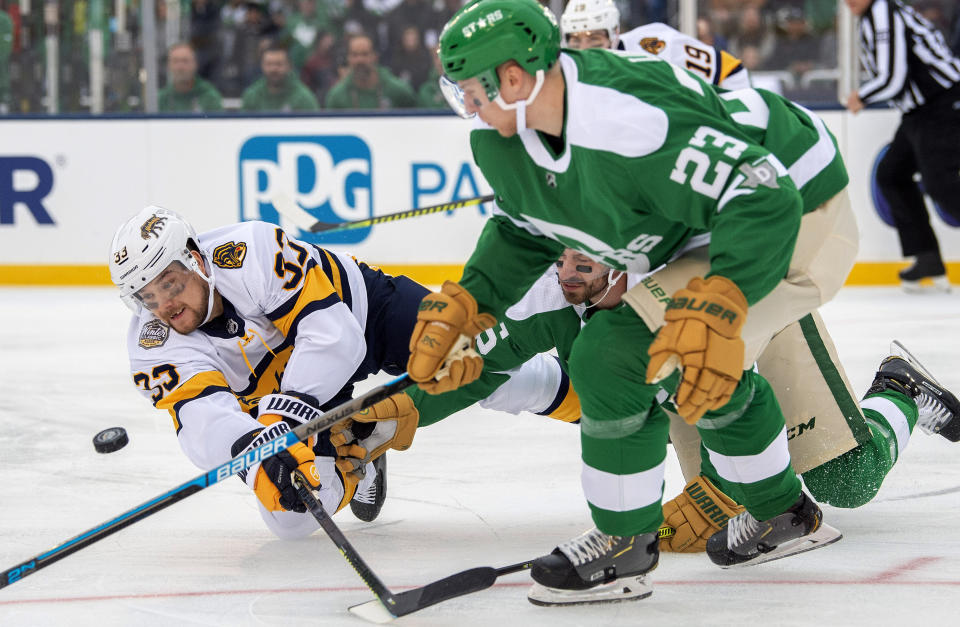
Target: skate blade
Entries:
(817, 540)
(939, 284)
(630, 588)
(899, 350)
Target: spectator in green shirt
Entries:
(367, 85)
(304, 27)
(278, 89)
(185, 91)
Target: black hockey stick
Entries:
(221, 472)
(388, 605)
(285, 205)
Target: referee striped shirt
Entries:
(905, 58)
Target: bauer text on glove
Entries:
(702, 337)
(271, 478)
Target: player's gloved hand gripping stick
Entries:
(385, 608)
(389, 424)
(239, 463)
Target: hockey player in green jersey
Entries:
(550, 316)
(632, 162)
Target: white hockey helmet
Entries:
(587, 15)
(145, 245)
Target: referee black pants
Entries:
(928, 142)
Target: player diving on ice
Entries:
(244, 332)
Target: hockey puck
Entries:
(110, 440)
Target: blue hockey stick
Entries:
(218, 474)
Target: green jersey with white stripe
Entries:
(651, 157)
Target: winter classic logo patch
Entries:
(153, 334)
(230, 255)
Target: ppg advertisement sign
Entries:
(328, 177)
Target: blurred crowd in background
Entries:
(311, 55)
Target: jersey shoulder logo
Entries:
(153, 334)
(152, 227)
(230, 255)
(653, 45)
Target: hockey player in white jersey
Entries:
(596, 24)
(243, 331)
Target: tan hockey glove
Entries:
(441, 347)
(701, 336)
(367, 434)
(694, 515)
(272, 483)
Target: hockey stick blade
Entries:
(285, 205)
(410, 601)
(221, 472)
(824, 536)
(388, 605)
(333, 532)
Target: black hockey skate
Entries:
(927, 265)
(747, 541)
(368, 501)
(595, 568)
(937, 408)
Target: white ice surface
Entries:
(479, 489)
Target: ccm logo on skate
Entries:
(28, 181)
(328, 176)
(711, 309)
(234, 466)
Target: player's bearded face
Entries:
(580, 277)
(178, 297)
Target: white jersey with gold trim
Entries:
(709, 63)
(294, 317)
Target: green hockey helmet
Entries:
(486, 33)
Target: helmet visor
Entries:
(168, 285)
(454, 97)
(470, 95)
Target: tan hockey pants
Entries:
(786, 339)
